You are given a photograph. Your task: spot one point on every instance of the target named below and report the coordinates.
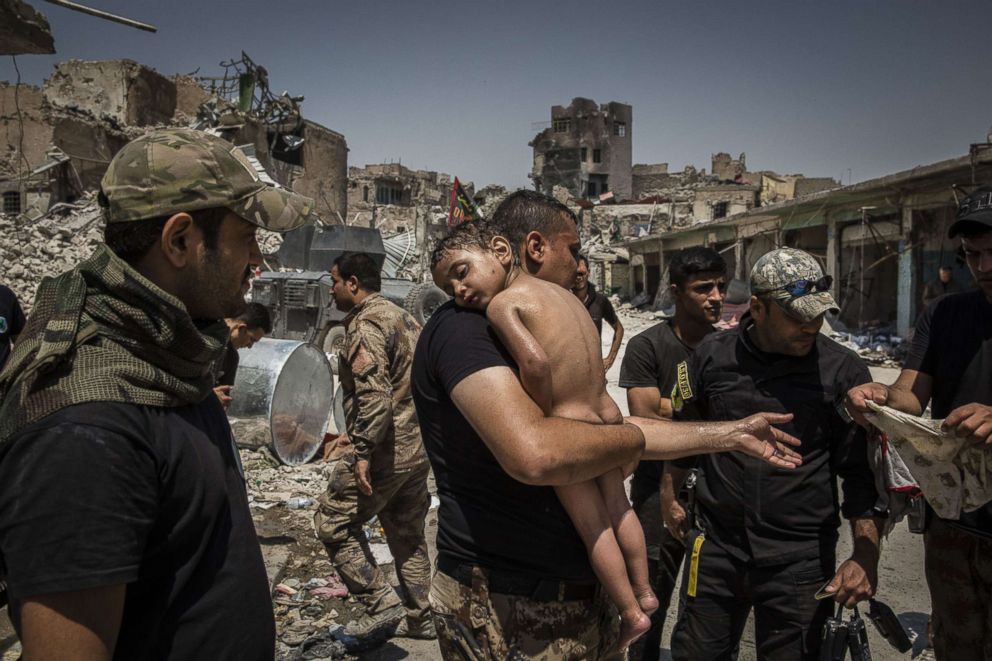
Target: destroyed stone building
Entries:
(586, 148)
(390, 196)
(57, 140)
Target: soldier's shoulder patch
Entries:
(682, 391)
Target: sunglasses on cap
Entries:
(802, 287)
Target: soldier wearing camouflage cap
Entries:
(766, 539)
(126, 530)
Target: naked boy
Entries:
(557, 350)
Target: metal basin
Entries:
(289, 384)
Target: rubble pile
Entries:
(310, 602)
(879, 347)
(64, 236)
(33, 249)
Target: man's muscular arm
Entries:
(755, 435)
(535, 449)
(648, 403)
(72, 625)
(910, 394)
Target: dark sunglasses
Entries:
(803, 287)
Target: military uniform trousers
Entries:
(788, 621)
(474, 624)
(401, 501)
(959, 573)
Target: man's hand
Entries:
(973, 421)
(224, 395)
(855, 581)
(675, 518)
(856, 399)
(362, 476)
(756, 436)
(608, 363)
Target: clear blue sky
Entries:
(800, 86)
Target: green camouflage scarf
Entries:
(104, 333)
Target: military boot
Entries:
(376, 621)
(420, 629)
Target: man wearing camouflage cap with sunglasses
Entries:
(126, 532)
(765, 539)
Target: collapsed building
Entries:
(57, 140)
(586, 148)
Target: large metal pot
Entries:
(289, 385)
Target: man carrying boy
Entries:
(512, 573)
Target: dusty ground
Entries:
(294, 558)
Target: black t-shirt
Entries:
(11, 322)
(599, 308)
(102, 493)
(651, 361)
(756, 512)
(486, 517)
(953, 345)
(228, 366)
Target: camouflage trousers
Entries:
(474, 624)
(959, 573)
(401, 501)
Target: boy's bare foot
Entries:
(633, 625)
(646, 600)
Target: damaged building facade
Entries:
(586, 148)
(881, 239)
(57, 140)
(86, 111)
(666, 202)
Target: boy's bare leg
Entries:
(630, 537)
(585, 506)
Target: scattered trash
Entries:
(299, 503)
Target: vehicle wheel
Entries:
(422, 300)
(331, 340)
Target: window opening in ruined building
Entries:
(591, 189)
(562, 125)
(597, 155)
(365, 193)
(720, 210)
(620, 128)
(583, 154)
(388, 195)
(11, 202)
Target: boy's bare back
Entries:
(562, 326)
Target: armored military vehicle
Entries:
(301, 304)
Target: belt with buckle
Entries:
(520, 585)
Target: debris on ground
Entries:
(311, 603)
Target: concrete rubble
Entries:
(311, 604)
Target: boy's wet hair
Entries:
(474, 234)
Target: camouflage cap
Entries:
(974, 213)
(173, 170)
(784, 266)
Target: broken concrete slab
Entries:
(120, 92)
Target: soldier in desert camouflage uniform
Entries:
(386, 474)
